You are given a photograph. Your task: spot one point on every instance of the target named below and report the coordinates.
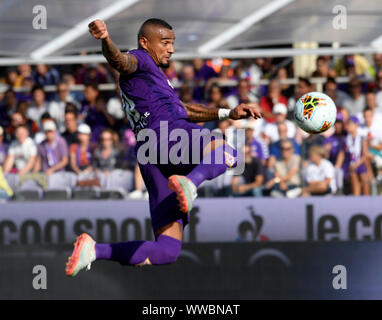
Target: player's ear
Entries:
(143, 42)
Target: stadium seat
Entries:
(13, 180)
(123, 179)
(62, 179)
(86, 193)
(117, 193)
(57, 194)
(28, 195)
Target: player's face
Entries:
(160, 45)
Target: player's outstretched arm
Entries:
(200, 113)
(122, 62)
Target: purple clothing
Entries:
(147, 95)
(353, 153)
(200, 79)
(3, 152)
(97, 121)
(52, 154)
(257, 149)
(164, 250)
(337, 143)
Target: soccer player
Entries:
(149, 100)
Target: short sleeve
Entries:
(143, 59)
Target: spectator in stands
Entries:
(52, 152)
(273, 97)
(323, 69)
(250, 183)
(26, 95)
(215, 97)
(80, 154)
(377, 59)
(12, 78)
(303, 87)
(57, 108)
(202, 73)
(275, 148)
(319, 174)
(356, 62)
(21, 153)
(244, 95)
(185, 93)
(372, 131)
(270, 130)
(258, 147)
(18, 119)
(107, 156)
(91, 94)
(70, 81)
(25, 70)
(171, 72)
(331, 89)
(3, 147)
(8, 106)
(378, 80)
(286, 172)
(334, 146)
(356, 157)
(356, 102)
(71, 127)
(253, 72)
(114, 108)
(92, 74)
(98, 118)
(39, 105)
(287, 90)
(46, 75)
(371, 103)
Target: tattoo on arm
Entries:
(122, 62)
(200, 113)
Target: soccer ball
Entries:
(315, 112)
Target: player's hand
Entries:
(98, 30)
(243, 111)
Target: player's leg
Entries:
(217, 158)
(167, 222)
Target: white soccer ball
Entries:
(315, 112)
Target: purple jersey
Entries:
(147, 95)
(257, 149)
(337, 143)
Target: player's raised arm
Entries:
(124, 63)
(200, 113)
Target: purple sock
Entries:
(164, 250)
(214, 164)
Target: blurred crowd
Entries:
(43, 132)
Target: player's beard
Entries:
(164, 65)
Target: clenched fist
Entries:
(244, 111)
(98, 30)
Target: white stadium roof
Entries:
(202, 27)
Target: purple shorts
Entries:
(163, 203)
(360, 170)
